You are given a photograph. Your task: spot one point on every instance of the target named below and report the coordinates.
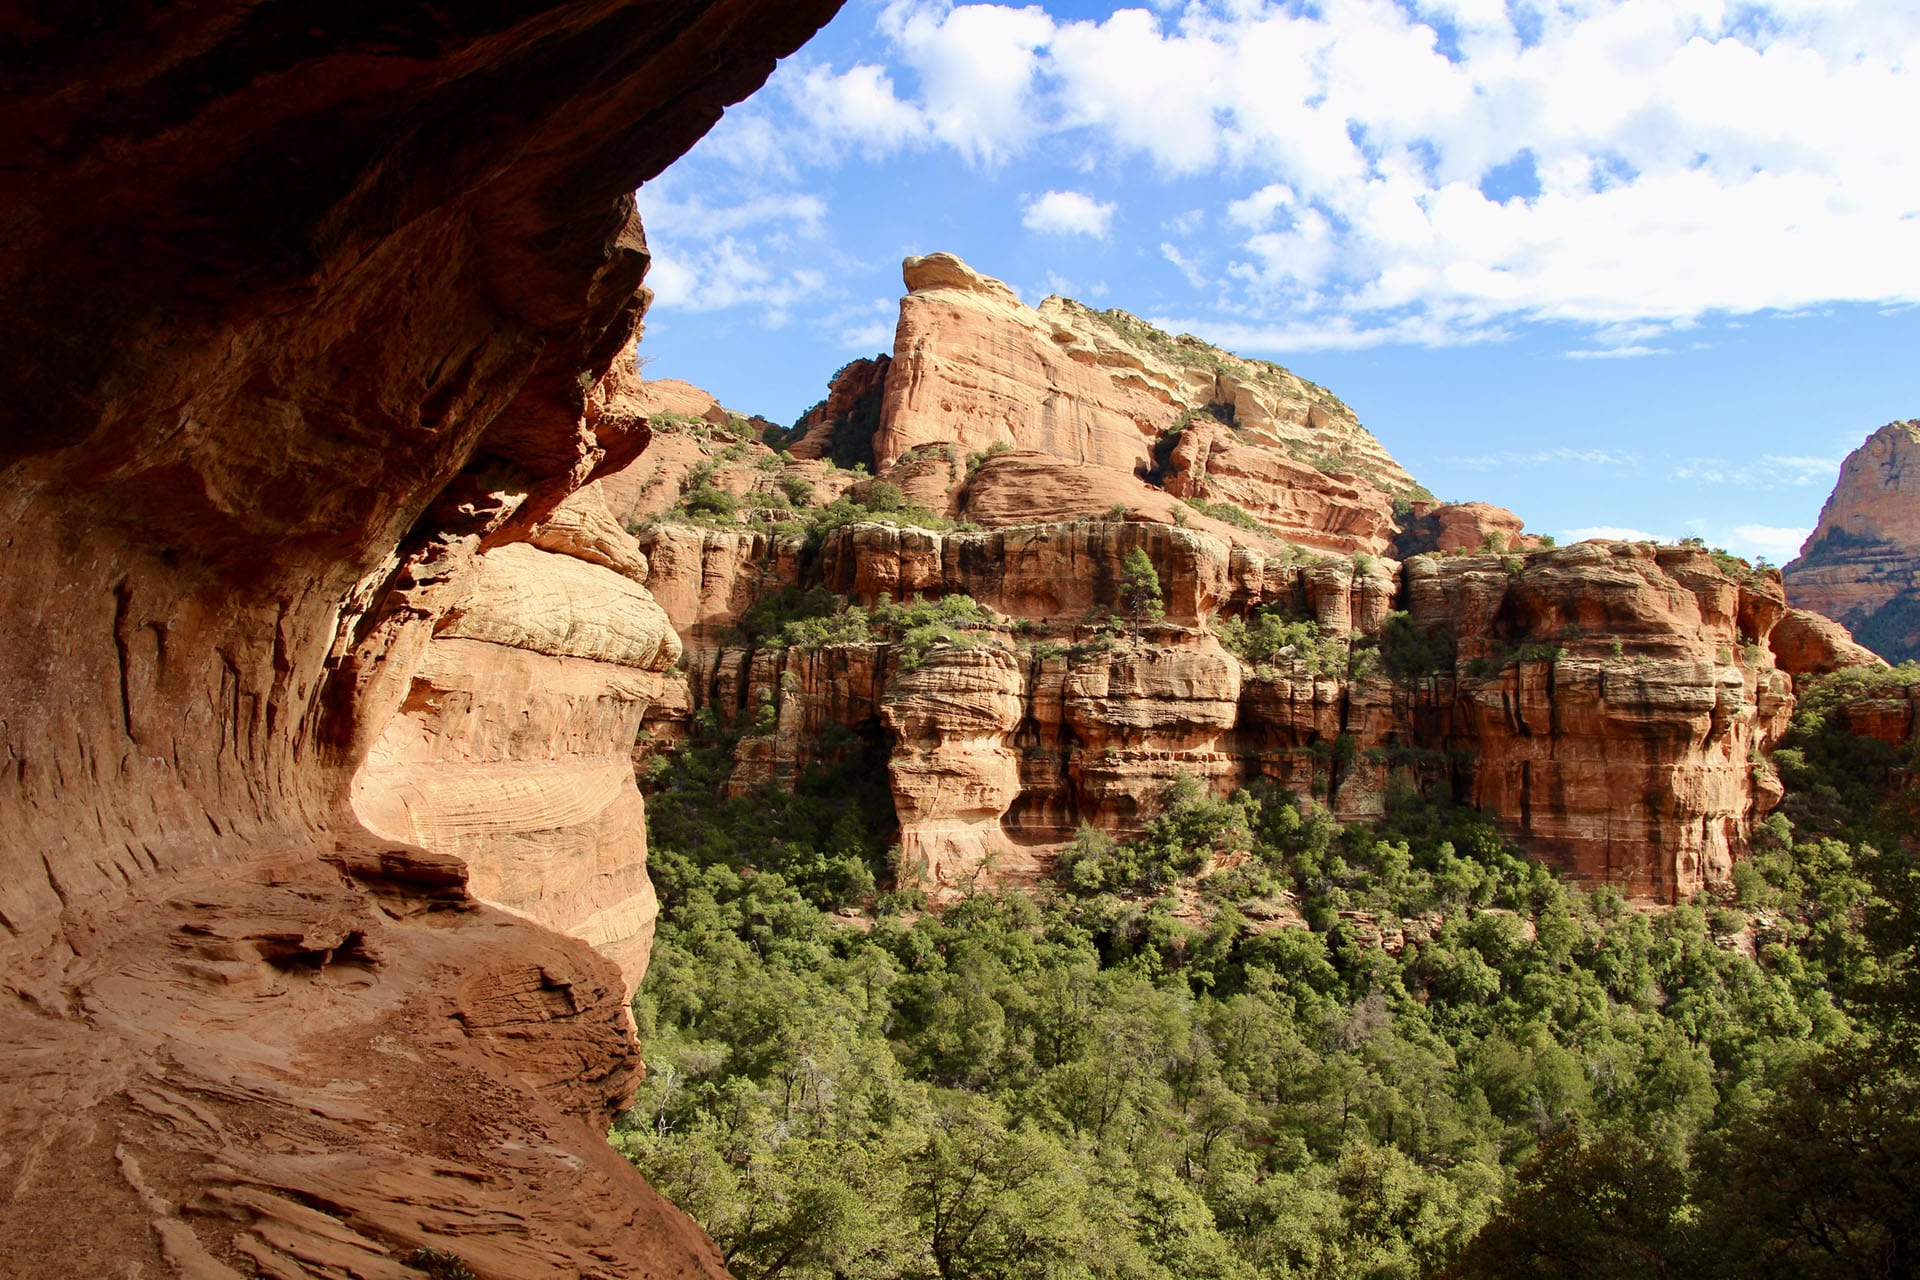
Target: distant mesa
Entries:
(1861, 565)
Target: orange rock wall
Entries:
(1604, 702)
(304, 314)
(1863, 558)
(1083, 398)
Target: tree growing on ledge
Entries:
(1140, 588)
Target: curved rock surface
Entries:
(1861, 564)
(305, 313)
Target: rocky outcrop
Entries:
(305, 320)
(1133, 412)
(1861, 564)
(1605, 702)
(1332, 512)
(1448, 527)
(842, 426)
(1805, 643)
(512, 750)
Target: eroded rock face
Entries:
(1861, 565)
(1807, 643)
(1091, 404)
(1294, 498)
(1606, 702)
(1446, 527)
(513, 752)
(305, 314)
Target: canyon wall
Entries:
(1078, 411)
(1607, 702)
(1861, 564)
(307, 312)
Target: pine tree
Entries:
(1140, 589)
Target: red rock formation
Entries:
(1447, 527)
(1603, 701)
(850, 414)
(513, 751)
(1861, 565)
(301, 309)
(1293, 498)
(1101, 397)
(1812, 644)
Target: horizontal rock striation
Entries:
(1861, 564)
(1605, 702)
(1097, 409)
(307, 312)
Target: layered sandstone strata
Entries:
(1861, 564)
(1605, 702)
(1102, 398)
(1447, 527)
(305, 321)
(512, 750)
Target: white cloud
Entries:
(1769, 471)
(1611, 533)
(1068, 213)
(1560, 456)
(730, 273)
(863, 327)
(1257, 210)
(1614, 353)
(1133, 83)
(977, 64)
(1690, 157)
(1772, 541)
(1189, 267)
(859, 106)
(1664, 159)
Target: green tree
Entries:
(1140, 588)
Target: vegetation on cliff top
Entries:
(1452, 1063)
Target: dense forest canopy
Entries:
(1251, 1042)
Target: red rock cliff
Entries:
(1604, 701)
(303, 310)
(1134, 414)
(1861, 565)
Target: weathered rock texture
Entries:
(1460, 526)
(1604, 701)
(1861, 565)
(1132, 414)
(304, 312)
(513, 747)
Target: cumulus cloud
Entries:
(1772, 541)
(858, 106)
(1662, 160)
(1068, 213)
(977, 65)
(731, 273)
(1612, 533)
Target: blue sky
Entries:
(1644, 267)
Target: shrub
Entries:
(710, 501)
(994, 450)
(1409, 651)
(1140, 588)
(1224, 511)
(1269, 635)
